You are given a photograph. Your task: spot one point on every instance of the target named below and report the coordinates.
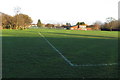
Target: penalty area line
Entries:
(68, 61)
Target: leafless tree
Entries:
(17, 12)
(110, 21)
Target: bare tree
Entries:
(97, 25)
(110, 21)
(17, 12)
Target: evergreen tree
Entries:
(78, 23)
(39, 24)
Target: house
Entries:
(49, 25)
(33, 24)
(93, 27)
(83, 26)
(90, 27)
(66, 26)
(79, 27)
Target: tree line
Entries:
(111, 26)
(19, 21)
(23, 21)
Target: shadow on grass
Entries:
(32, 57)
(82, 35)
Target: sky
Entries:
(63, 11)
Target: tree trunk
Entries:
(78, 26)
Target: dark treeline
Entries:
(111, 26)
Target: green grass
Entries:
(27, 55)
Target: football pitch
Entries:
(56, 53)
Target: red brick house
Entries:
(80, 27)
(85, 27)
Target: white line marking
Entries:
(83, 65)
(69, 62)
(57, 50)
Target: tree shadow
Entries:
(82, 35)
(33, 57)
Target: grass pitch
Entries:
(27, 55)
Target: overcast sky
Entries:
(62, 11)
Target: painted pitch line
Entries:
(69, 62)
(83, 65)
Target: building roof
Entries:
(80, 25)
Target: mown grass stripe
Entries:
(69, 62)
